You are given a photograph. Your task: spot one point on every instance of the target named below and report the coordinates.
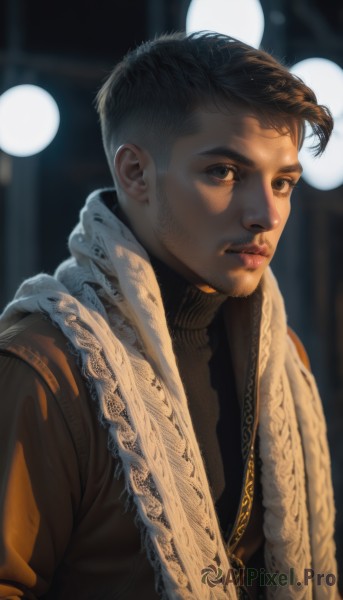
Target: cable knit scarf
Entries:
(107, 302)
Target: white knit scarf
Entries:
(107, 302)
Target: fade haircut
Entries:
(151, 95)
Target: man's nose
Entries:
(260, 211)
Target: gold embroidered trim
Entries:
(249, 428)
(249, 408)
(246, 503)
(238, 568)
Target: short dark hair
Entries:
(153, 92)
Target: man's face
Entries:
(221, 204)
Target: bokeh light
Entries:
(242, 19)
(326, 79)
(29, 120)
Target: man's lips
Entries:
(257, 249)
(249, 256)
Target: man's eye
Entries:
(223, 172)
(284, 186)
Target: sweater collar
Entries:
(186, 306)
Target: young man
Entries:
(155, 370)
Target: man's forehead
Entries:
(217, 126)
(239, 118)
(240, 135)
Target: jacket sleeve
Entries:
(40, 487)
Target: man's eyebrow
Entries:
(240, 158)
(291, 168)
(228, 153)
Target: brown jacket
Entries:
(64, 532)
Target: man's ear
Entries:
(130, 167)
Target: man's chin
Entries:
(236, 287)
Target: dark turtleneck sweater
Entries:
(196, 325)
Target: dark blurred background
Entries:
(68, 47)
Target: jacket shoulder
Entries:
(300, 348)
(35, 341)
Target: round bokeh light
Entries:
(29, 120)
(326, 79)
(241, 19)
(324, 172)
